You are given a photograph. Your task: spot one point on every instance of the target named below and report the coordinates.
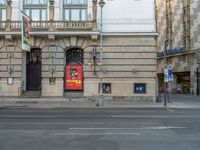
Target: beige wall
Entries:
(126, 60)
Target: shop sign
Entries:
(171, 52)
(74, 78)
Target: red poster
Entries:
(74, 78)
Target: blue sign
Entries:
(171, 52)
(166, 75)
(170, 72)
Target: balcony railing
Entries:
(48, 25)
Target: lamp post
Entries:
(198, 81)
(101, 4)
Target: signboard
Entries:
(166, 75)
(170, 73)
(74, 78)
(171, 51)
(25, 32)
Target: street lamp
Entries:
(101, 4)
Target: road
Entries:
(99, 129)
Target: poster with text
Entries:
(74, 78)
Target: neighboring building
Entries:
(65, 41)
(178, 24)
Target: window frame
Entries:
(70, 7)
(2, 7)
(105, 84)
(40, 7)
(145, 88)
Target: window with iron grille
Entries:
(36, 9)
(75, 10)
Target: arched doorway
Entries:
(33, 70)
(74, 70)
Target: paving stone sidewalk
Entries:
(177, 101)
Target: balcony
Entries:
(49, 25)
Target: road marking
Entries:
(63, 132)
(68, 123)
(142, 128)
(107, 133)
(119, 116)
(170, 109)
(155, 116)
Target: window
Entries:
(75, 10)
(33, 2)
(106, 88)
(186, 24)
(2, 10)
(3, 2)
(169, 22)
(139, 88)
(36, 9)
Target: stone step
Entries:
(31, 94)
(74, 94)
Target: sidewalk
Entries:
(177, 101)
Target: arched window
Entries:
(74, 55)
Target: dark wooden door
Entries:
(33, 74)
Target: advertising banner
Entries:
(25, 32)
(74, 78)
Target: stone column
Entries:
(51, 13)
(8, 14)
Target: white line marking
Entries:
(143, 128)
(155, 116)
(26, 116)
(68, 123)
(97, 133)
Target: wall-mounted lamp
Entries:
(10, 71)
(52, 70)
(93, 62)
(52, 79)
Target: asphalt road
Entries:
(99, 129)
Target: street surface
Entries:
(99, 129)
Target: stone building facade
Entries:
(66, 36)
(178, 24)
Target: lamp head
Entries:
(101, 3)
(51, 2)
(9, 2)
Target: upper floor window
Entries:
(36, 9)
(75, 10)
(2, 10)
(32, 2)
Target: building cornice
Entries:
(130, 33)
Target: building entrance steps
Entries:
(31, 94)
